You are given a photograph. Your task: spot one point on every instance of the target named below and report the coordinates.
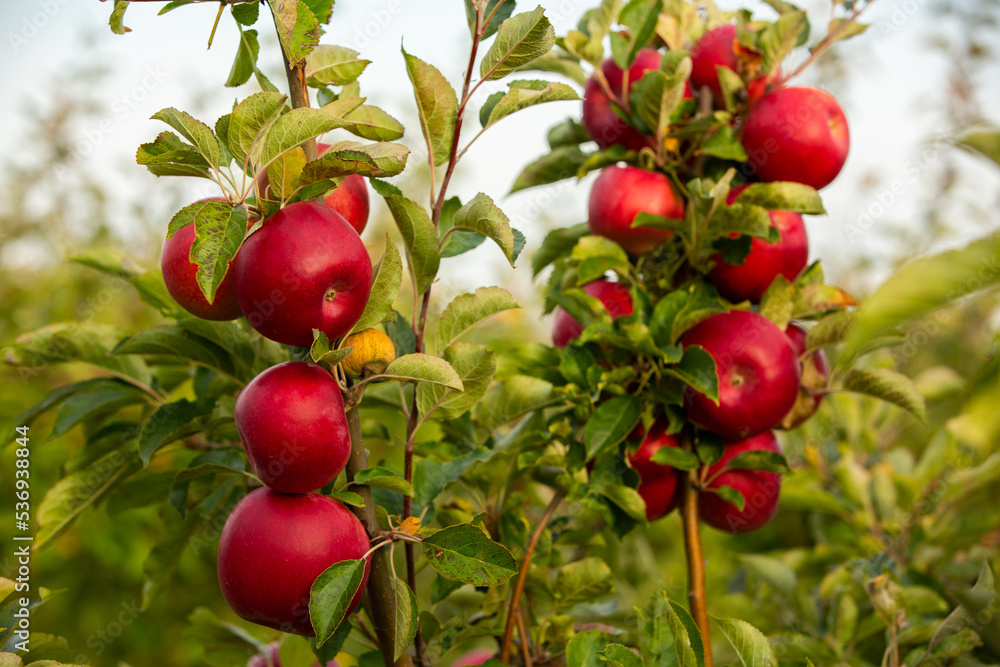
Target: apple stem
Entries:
(381, 597)
(697, 600)
(514, 609)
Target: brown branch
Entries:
(525, 642)
(695, 562)
(522, 575)
(299, 93)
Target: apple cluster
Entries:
(304, 269)
(766, 378)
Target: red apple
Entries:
(659, 484)
(620, 194)
(305, 268)
(796, 134)
(599, 118)
(350, 198)
(758, 372)
(180, 276)
(272, 548)
(815, 372)
(717, 48)
(760, 489)
(293, 427)
(474, 657)
(766, 261)
(615, 297)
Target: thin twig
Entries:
(828, 41)
(522, 575)
(695, 562)
(525, 642)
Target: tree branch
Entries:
(695, 562)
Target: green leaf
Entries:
(724, 144)
(777, 40)
(783, 196)
(776, 573)
(336, 65)
(246, 13)
(331, 594)
(640, 17)
(419, 236)
(675, 457)
(69, 497)
(760, 460)
(165, 556)
(557, 244)
(512, 398)
(563, 162)
(225, 460)
(167, 155)
(373, 123)
(483, 216)
(626, 499)
(54, 399)
(292, 129)
(227, 644)
(100, 400)
(750, 643)
(583, 649)
(219, 229)
(195, 131)
(619, 655)
(778, 302)
(475, 364)
(407, 616)
(982, 139)
(245, 63)
(321, 9)
(351, 157)
(925, 285)
(520, 39)
(610, 424)
(831, 330)
(730, 495)
(298, 28)
(248, 120)
(118, 16)
(420, 367)
(524, 94)
(383, 478)
(437, 106)
(388, 278)
(498, 15)
(842, 28)
(688, 644)
(584, 580)
(697, 370)
(888, 386)
(467, 310)
(170, 422)
(557, 61)
(465, 553)
(175, 341)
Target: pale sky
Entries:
(892, 100)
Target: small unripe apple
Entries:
(292, 424)
(305, 268)
(616, 299)
(797, 134)
(760, 489)
(371, 353)
(620, 194)
(766, 261)
(659, 484)
(815, 374)
(272, 548)
(758, 373)
(180, 275)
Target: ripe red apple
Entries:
(350, 198)
(293, 427)
(758, 371)
(760, 489)
(659, 485)
(305, 268)
(180, 276)
(620, 194)
(615, 297)
(766, 261)
(272, 548)
(815, 372)
(599, 118)
(797, 134)
(717, 48)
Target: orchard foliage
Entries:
(509, 478)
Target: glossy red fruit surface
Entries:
(758, 371)
(619, 194)
(797, 134)
(766, 261)
(659, 484)
(292, 424)
(272, 548)
(760, 489)
(615, 297)
(306, 268)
